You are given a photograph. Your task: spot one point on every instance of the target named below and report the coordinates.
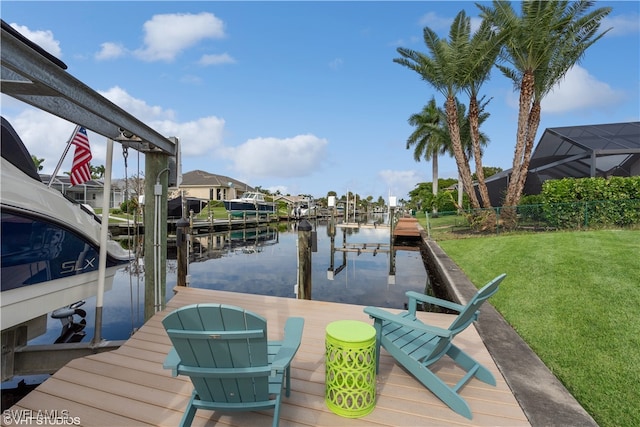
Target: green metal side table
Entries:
(350, 368)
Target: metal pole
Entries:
(64, 154)
(104, 234)
(392, 256)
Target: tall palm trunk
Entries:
(526, 96)
(534, 122)
(474, 112)
(460, 156)
(460, 193)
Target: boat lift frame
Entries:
(32, 75)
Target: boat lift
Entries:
(32, 75)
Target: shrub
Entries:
(530, 208)
(576, 203)
(129, 206)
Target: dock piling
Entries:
(304, 260)
(182, 232)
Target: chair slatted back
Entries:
(439, 346)
(224, 351)
(470, 312)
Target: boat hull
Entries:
(240, 207)
(22, 304)
(304, 212)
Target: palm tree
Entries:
(37, 162)
(440, 68)
(478, 55)
(429, 137)
(97, 172)
(464, 124)
(540, 47)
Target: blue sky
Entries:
(301, 97)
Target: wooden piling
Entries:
(304, 260)
(182, 234)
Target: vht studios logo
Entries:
(39, 418)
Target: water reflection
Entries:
(264, 261)
(360, 276)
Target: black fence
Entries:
(540, 217)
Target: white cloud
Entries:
(216, 59)
(43, 38)
(197, 137)
(336, 64)
(136, 107)
(191, 79)
(435, 22)
(110, 50)
(400, 183)
(299, 156)
(475, 22)
(441, 24)
(579, 90)
(621, 25)
(167, 35)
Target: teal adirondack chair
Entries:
(416, 345)
(225, 352)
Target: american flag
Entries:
(80, 171)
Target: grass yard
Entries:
(574, 297)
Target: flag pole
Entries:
(104, 232)
(64, 154)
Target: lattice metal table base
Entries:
(350, 368)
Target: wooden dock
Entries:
(407, 228)
(129, 387)
(198, 227)
(361, 225)
(361, 248)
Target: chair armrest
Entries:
(172, 361)
(435, 301)
(290, 344)
(380, 315)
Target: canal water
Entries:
(264, 261)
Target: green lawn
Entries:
(574, 297)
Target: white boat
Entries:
(250, 203)
(304, 209)
(50, 244)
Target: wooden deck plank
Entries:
(128, 386)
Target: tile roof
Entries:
(198, 178)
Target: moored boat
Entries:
(50, 244)
(250, 203)
(304, 209)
